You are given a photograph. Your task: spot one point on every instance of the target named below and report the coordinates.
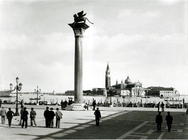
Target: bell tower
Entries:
(107, 77)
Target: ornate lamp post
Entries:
(37, 91)
(18, 87)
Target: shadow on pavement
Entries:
(61, 133)
(125, 125)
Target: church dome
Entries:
(138, 84)
(128, 80)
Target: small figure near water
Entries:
(94, 104)
(158, 106)
(162, 107)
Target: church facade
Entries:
(126, 88)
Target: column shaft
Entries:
(78, 70)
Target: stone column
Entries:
(78, 29)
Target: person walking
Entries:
(10, 115)
(22, 104)
(21, 112)
(94, 104)
(162, 106)
(24, 117)
(65, 103)
(97, 114)
(46, 116)
(51, 117)
(32, 117)
(159, 120)
(58, 115)
(158, 106)
(169, 120)
(3, 115)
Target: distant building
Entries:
(128, 88)
(5, 93)
(166, 92)
(99, 91)
(69, 92)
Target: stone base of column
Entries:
(76, 107)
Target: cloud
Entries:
(170, 2)
(137, 13)
(120, 47)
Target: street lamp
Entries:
(18, 87)
(37, 91)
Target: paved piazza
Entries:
(117, 123)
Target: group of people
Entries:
(159, 121)
(160, 105)
(65, 103)
(5, 114)
(23, 116)
(23, 122)
(49, 115)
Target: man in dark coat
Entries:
(162, 106)
(51, 117)
(97, 114)
(46, 116)
(65, 103)
(24, 117)
(9, 115)
(169, 120)
(94, 104)
(159, 120)
(158, 106)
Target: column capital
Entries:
(79, 28)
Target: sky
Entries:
(143, 39)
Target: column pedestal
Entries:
(75, 107)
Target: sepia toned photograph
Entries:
(93, 69)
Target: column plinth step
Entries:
(76, 107)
